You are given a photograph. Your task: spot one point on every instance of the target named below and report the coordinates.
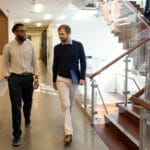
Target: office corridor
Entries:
(46, 132)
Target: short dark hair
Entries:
(15, 27)
(65, 27)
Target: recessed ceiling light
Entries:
(58, 24)
(61, 18)
(26, 20)
(38, 8)
(48, 17)
(38, 24)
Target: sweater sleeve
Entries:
(55, 65)
(82, 62)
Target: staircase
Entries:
(137, 6)
(119, 16)
(121, 131)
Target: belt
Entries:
(22, 74)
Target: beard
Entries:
(22, 39)
(63, 40)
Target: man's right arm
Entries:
(5, 64)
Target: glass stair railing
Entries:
(125, 76)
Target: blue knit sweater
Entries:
(67, 58)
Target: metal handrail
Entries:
(103, 69)
(101, 97)
(118, 58)
(95, 85)
(91, 76)
(132, 80)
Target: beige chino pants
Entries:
(67, 92)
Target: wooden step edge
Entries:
(140, 102)
(110, 138)
(121, 129)
(129, 110)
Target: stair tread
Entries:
(113, 141)
(134, 110)
(125, 126)
(138, 6)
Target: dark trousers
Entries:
(147, 10)
(20, 88)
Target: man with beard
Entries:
(68, 56)
(20, 68)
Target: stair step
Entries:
(133, 2)
(131, 113)
(113, 141)
(131, 108)
(128, 131)
(137, 6)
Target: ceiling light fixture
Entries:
(26, 20)
(39, 24)
(48, 16)
(38, 8)
(58, 24)
(63, 17)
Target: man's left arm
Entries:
(82, 65)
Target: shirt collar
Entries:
(18, 42)
(69, 42)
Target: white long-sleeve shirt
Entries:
(19, 58)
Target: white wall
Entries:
(36, 39)
(10, 25)
(95, 35)
(49, 49)
(93, 32)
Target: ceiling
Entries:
(19, 9)
(59, 9)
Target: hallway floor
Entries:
(46, 132)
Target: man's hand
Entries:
(36, 84)
(6, 77)
(81, 82)
(55, 86)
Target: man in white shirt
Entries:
(20, 68)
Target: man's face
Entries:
(63, 36)
(21, 33)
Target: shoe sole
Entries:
(67, 142)
(28, 126)
(16, 145)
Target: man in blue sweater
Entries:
(69, 69)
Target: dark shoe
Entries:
(68, 139)
(16, 141)
(28, 124)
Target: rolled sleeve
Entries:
(5, 61)
(35, 63)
